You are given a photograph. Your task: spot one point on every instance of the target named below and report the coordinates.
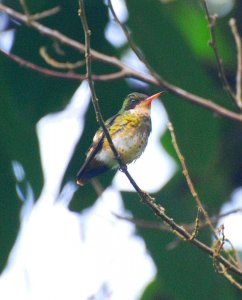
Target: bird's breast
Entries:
(130, 136)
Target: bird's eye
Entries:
(133, 100)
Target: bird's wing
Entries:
(96, 146)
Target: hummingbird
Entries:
(129, 130)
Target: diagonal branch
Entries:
(87, 33)
(64, 75)
(189, 181)
(126, 71)
(162, 227)
(134, 47)
(46, 13)
(213, 43)
(237, 39)
(99, 117)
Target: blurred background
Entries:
(63, 242)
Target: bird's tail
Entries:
(88, 172)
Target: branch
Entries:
(95, 102)
(48, 72)
(237, 39)
(213, 43)
(25, 8)
(188, 178)
(181, 232)
(163, 227)
(69, 75)
(134, 47)
(38, 16)
(59, 65)
(99, 117)
(125, 71)
(45, 14)
(230, 278)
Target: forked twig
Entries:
(38, 16)
(64, 75)
(59, 65)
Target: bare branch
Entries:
(46, 13)
(181, 232)
(95, 102)
(213, 43)
(59, 65)
(99, 117)
(25, 8)
(38, 16)
(68, 75)
(48, 72)
(160, 226)
(126, 71)
(136, 50)
(188, 178)
(237, 39)
(230, 278)
(143, 223)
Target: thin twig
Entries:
(46, 13)
(131, 43)
(48, 72)
(134, 47)
(68, 75)
(143, 223)
(197, 223)
(160, 226)
(25, 8)
(181, 232)
(230, 278)
(213, 44)
(59, 65)
(188, 178)
(237, 39)
(38, 16)
(125, 71)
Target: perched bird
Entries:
(129, 130)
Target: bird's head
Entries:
(138, 101)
